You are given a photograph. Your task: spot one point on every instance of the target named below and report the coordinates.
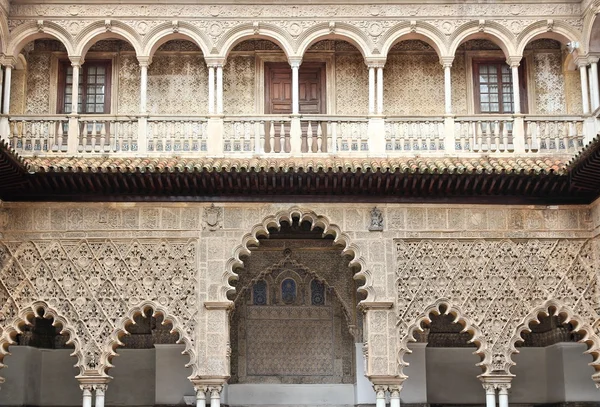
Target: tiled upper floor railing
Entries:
(280, 135)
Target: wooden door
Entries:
(278, 88)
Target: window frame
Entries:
(63, 65)
(523, 89)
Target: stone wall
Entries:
(426, 253)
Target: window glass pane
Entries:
(494, 97)
(484, 97)
(485, 108)
(483, 89)
(483, 69)
(483, 78)
(91, 70)
(100, 99)
(505, 69)
(493, 78)
(492, 69)
(100, 90)
(100, 79)
(100, 70)
(100, 108)
(494, 107)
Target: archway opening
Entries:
(295, 320)
(551, 366)
(40, 361)
(149, 354)
(443, 367)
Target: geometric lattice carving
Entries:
(491, 286)
(95, 287)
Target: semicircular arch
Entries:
(250, 31)
(556, 308)
(98, 31)
(341, 31)
(25, 316)
(165, 32)
(490, 30)
(405, 31)
(561, 32)
(113, 342)
(591, 32)
(444, 307)
(30, 31)
(274, 221)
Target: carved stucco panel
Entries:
(573, 92)
(129, 85)
(38, 84)
(549, 83)
(239, 89)
(352, 81)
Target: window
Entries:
(94, 87)
(288, 291)
(493, 87)
(259, 293)
(317, 293)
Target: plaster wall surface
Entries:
(533, 370)
(58, 386)
(290, 394)
(171, 381)
(414, 390)
(134, 382)
(363, 388)
(577, 372)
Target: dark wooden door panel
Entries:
(278, 88)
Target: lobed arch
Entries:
(556, 308)
(113, 342)
(421, 31)
(445, 307)
(250, 31)
(98, 31)
(560, 31)
(341, 31)
(490, 30)
(166, 32)
(329, 229)
(30, 31)
(40, 309)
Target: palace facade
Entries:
(299, 203)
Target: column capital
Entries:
(200, 390)
(86, 388)
(8, 60)
(380, 389)
(395, 390)
(295, 62)
(514, 61)
(215, 391)
(144, 61)
(375, 62)
(76, 60)
(100, 388)
(503, 387)
(446, 62)
(582, 61)
(593, 59)
(212, 62)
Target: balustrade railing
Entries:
(281, 134)
(38, 134)
(552, 134)
(484, 134)
(414, 135)
(177, 134)
(107, 134)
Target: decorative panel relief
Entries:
(549, 82)
(129, 84)
(573, 92)
(495, 284)
(94, 283)
(178, 84)
(239, 88)
(38, 84)
(352, 84)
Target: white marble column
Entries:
(514, 66)
(595, 85)
(490, 394)
(219, 89)
(211, 89)
(448, 87)
(371, 90)
(100, 392)
(503, 394)
(380, 395)
(144, 86)
(76, 64)
(584, 87)
(395, 396)
(215, 396)
(201, 396)
(7, 83)
(87, 395)
(380, 90)
(295, 64)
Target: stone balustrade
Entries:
(277, 135)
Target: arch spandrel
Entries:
(421, 31)
(483, 29)
(31, 31)
(100, 30)
(339, 31)
(248, 31)
(558, 30)
(183, 31)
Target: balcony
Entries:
(284, 136)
